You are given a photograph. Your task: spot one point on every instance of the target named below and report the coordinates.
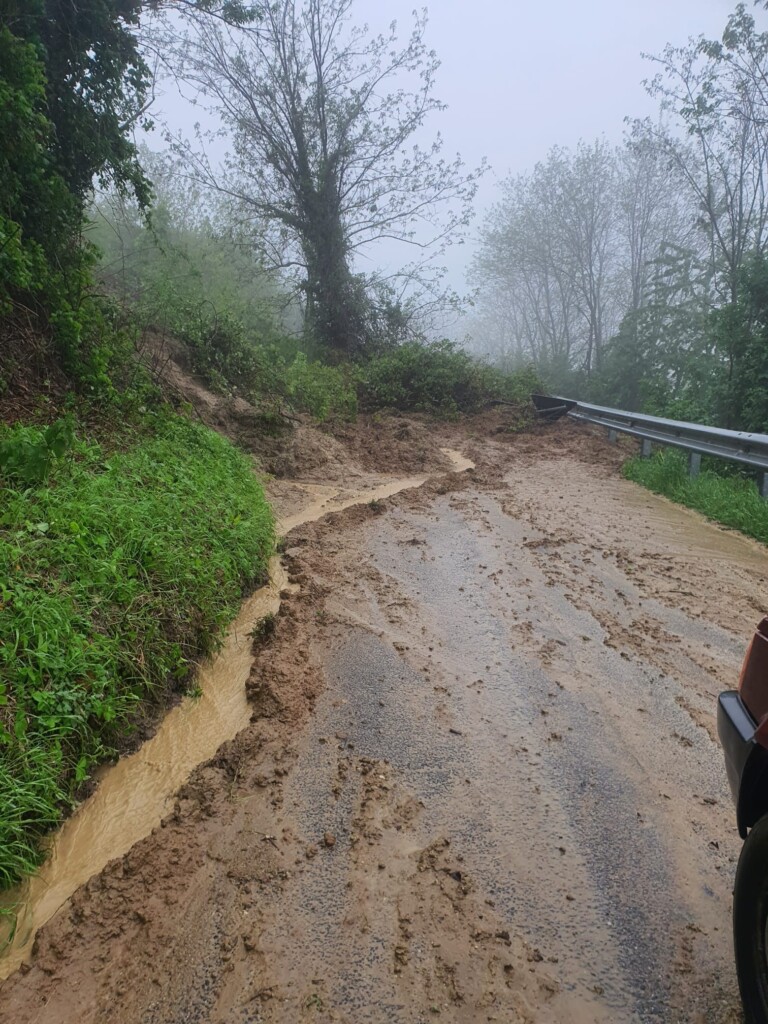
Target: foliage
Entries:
(322, 391)
(118, 571)
(439, 377)
(74, 87)
(185, 274)
(189, 256)
(712, 97)
(679, 358)
(729, 499)
(37, 211)
(224, 355)
(662, 360)
(739, 332)
(71, 85)
(232, 362)
(27, 455)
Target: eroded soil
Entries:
(480, 781)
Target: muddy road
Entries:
(480, 781)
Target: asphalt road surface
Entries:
(481, 781)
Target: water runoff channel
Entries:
(134, 795)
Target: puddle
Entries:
(135, 794)
(706, 540)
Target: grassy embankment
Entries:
(732, 500)
(118, 569)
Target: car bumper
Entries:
(736, 729)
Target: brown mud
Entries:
(479, 782)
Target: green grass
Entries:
(728, 499)
(118, 570)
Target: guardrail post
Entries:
(762, 484)
(694, 463)
(645, 451)
(612, 435)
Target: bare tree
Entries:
(588, 220)
(323, 125)
(551, 248)
(715, 131)
(646, 197)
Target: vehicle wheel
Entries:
(750, 923)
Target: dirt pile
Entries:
(293, 447)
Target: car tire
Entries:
(750, 921)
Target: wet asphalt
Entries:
(552, 774)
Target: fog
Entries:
(519, 78)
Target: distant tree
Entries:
(713, 97)
(589, 231)
(325, 160)
(550, 259)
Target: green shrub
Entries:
(117, 571)
(322, 391)
(724, 497)
(222, 352)
(27, 455)
(438, 377)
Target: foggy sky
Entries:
(520, 76)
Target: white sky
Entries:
(520, 76)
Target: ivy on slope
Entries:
(117, 571)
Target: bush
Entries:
(117, 571)
(322, 391)
(438, 377)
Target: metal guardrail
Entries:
(694, 438)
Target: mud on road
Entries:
(480, 781)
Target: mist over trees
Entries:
(332, 152)
(634, 274)
(189, 262)
(637, 275)
(325, 121)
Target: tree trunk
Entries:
(334, 316)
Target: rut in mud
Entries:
(480, 781)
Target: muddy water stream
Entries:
(135, 794)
